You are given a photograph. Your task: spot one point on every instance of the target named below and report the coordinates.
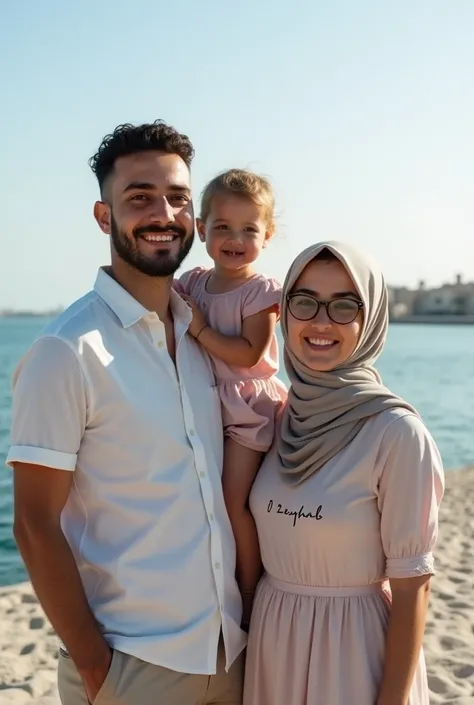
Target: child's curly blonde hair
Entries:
(244, 184)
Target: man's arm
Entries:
(40, 494)
(50, 412)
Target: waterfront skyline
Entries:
(404, 294)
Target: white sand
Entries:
(449, 641)
(28, 646)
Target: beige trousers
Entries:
(134, 682)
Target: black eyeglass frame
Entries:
(326, 305)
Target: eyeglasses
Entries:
(304, 307)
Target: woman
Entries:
(346, 505)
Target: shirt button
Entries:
(211, 517)
(160, 344)
(191, 432)
(202, 474)
(217, 565)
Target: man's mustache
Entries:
(175, 229)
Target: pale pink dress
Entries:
(318, 627)
(250, 397)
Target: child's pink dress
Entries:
(250, 397)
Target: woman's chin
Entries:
(323, 361)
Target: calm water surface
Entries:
(431, 366)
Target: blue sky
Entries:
(361, 112)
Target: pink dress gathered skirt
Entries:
(329, 547)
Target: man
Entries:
(116, 445)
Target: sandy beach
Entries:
(28, 646)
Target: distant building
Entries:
(455, 299)
(401, 301)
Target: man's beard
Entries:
(163, 264)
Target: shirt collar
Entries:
(127, 309)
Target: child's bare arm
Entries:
(240, 351)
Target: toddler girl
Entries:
(234, 316)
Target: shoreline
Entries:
(28, 646)
(420, 319)
(433, 319)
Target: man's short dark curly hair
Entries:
(130, 139)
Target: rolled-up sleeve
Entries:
(410, 490)
(49, 406)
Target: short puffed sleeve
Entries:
(410, 487)
(261, 294)
(190, 281)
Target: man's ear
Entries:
(103, 216)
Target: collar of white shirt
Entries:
(127, 309)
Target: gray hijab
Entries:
(326, 410)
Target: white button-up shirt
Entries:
(97, 394)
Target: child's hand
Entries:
(276, 309)
(198, 322)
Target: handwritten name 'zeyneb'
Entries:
(300, 514)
